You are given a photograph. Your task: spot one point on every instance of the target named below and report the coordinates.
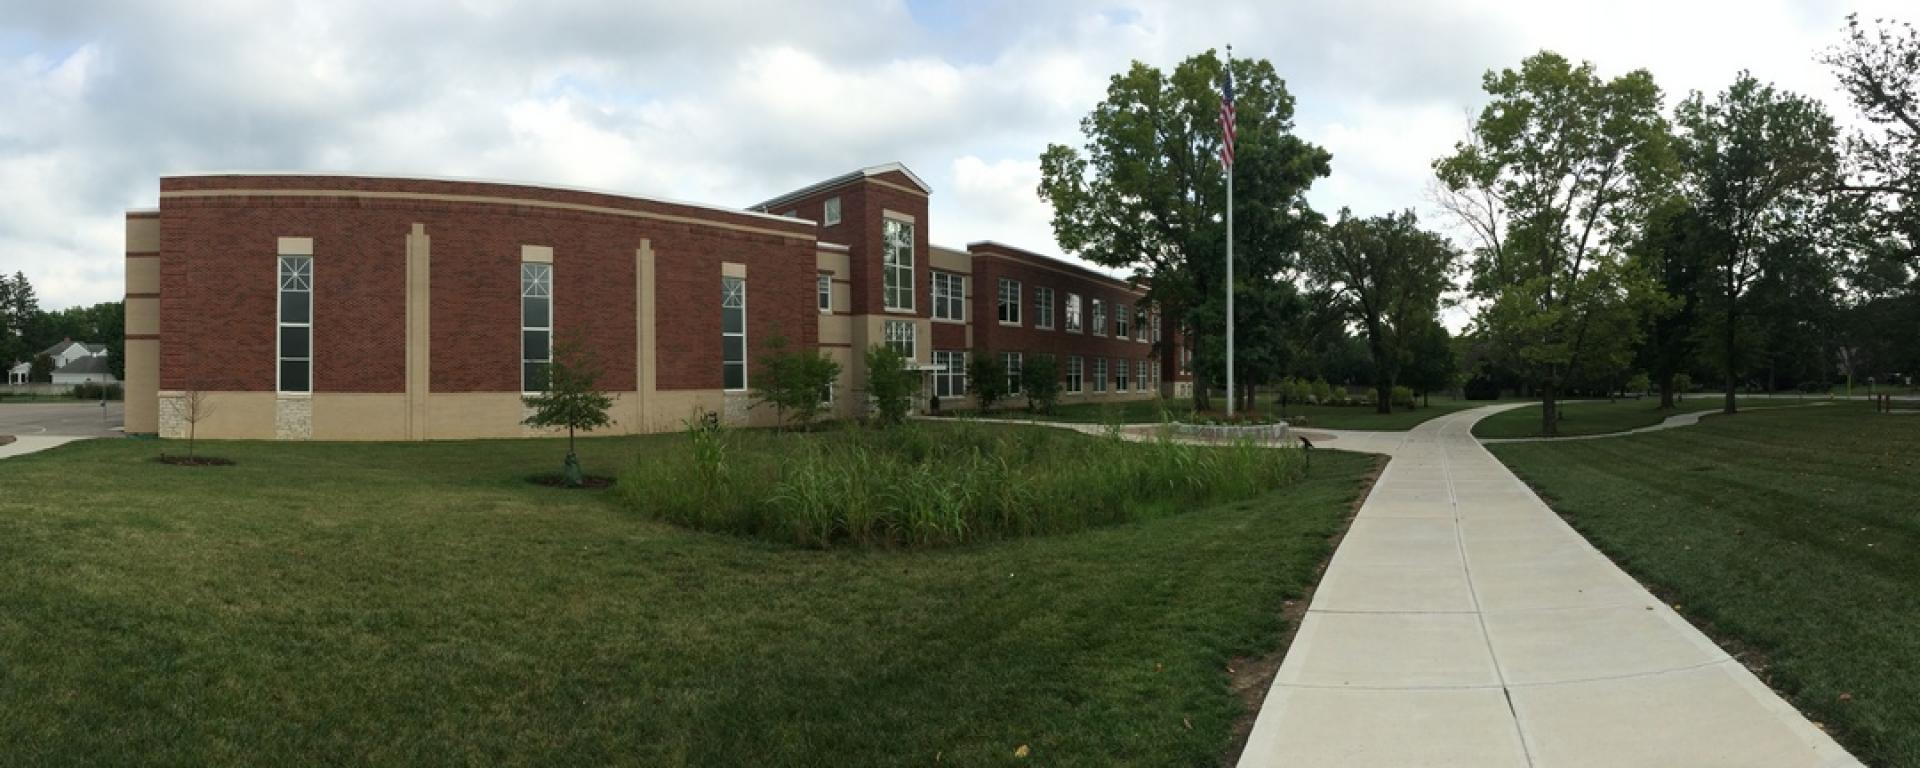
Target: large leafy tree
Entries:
(1879, 67)
(1761, 165)
(19, 313)
(1147, 190)
(1556, 173)
(1675, 249)
(1387, 274)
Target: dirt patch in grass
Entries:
(1252, 676)
(587, 482)
(195, 461)
(4, 439)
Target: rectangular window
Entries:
(1099, 318)
(1156, 327)
(832, 214)
(296, 324)
(897, 265)
(1043, 308)
(823, 289)
(1122, 328)
(949, 296)
(1073, 313)
(733, 333)
(1140, 326)
(1012, 360)
(1073, 375)
(1009, 301)
(536, 325)
(1099, 374)
(1140, 374)
(951, 382)
(1120, 377)
(901, 337)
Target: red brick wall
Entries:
(862, 203)
(991, 264)
(218, 283)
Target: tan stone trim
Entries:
(143, 296)
(538, 254)
(419, 332)
(296, 246)
(143, 234)
(646, 337)
(480, 199)
(142, 316)
(893, 186)
(896, 215)
(733, 269)
(145, 255)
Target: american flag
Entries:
(1226, 120)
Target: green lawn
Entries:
(1323, 416)
(420, 604)
(1794, 533)
(1596, 417)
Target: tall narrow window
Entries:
(1009, 301)
(536, 325)
(1073, 313)
(296, 324)
(1043, 308)
(901, 336)
(733, 333)
(1121, 327)
(1140, 325)
(823, 292)
(1156, 327)
(1120, 375)
(952, 380)
(1140, 374)
(1099, 374)
(1074, 375)
(897, 265)
(949, 296)
(1012, 361)
(830, 214)
(1099, 318)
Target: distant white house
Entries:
(73, 363)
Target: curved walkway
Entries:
(1670, 422)
(1463, 623)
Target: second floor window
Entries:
(1073, 313)
(896, 262)
(733, 333)
(536, 325)
(1009, 301)
(1099, 318)
(1121, 327)
(1043, 308)
(901, 337)
(949, 296)
(823, 290)
(296, 323)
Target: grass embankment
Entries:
(422, 604)
(939, 483)
(1599, 417)
(1792, 533)
(1359, 417)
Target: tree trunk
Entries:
(1666, 392)
(1733, 352)
(1201, 403)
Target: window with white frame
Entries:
(1074, 375)
(296, 324)
(1140, 374)
(1073, 313)
(1012, 362)
(831, 215)
(1099, 318)
(949, 296)
(1009, 301)
(1120, 377)
(901, 336)
(897, 265)
(823, 290)
(733, 333)
(1099, 374)
(536, 325)
(1156, 327)
(1043, 308)
(952, 381)
(1140, 326)
(1121, 327)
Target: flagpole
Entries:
(1231, 392)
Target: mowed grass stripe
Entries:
(1794, 533)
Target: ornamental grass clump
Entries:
(926, 486)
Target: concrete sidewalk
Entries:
(25, 444)
(1462, 623)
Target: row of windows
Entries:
(952, 380)
(829, 212)
(1010, 308)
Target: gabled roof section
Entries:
(842, 180)
(61, 348)
(86, 365)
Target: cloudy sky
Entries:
(731, 102)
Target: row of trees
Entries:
(1738, 237)
(26, 329)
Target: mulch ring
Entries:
(4, 439)
(195, 461)
(588, 482)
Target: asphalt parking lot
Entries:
(76, 419)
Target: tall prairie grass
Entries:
(925, 485)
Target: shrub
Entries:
(795, 382)
(1403, 396)
(987, 378)
(890, 384)
(923, 486)
(1321, 392)
(1040, 378)
(92, 391)
(572, 399)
